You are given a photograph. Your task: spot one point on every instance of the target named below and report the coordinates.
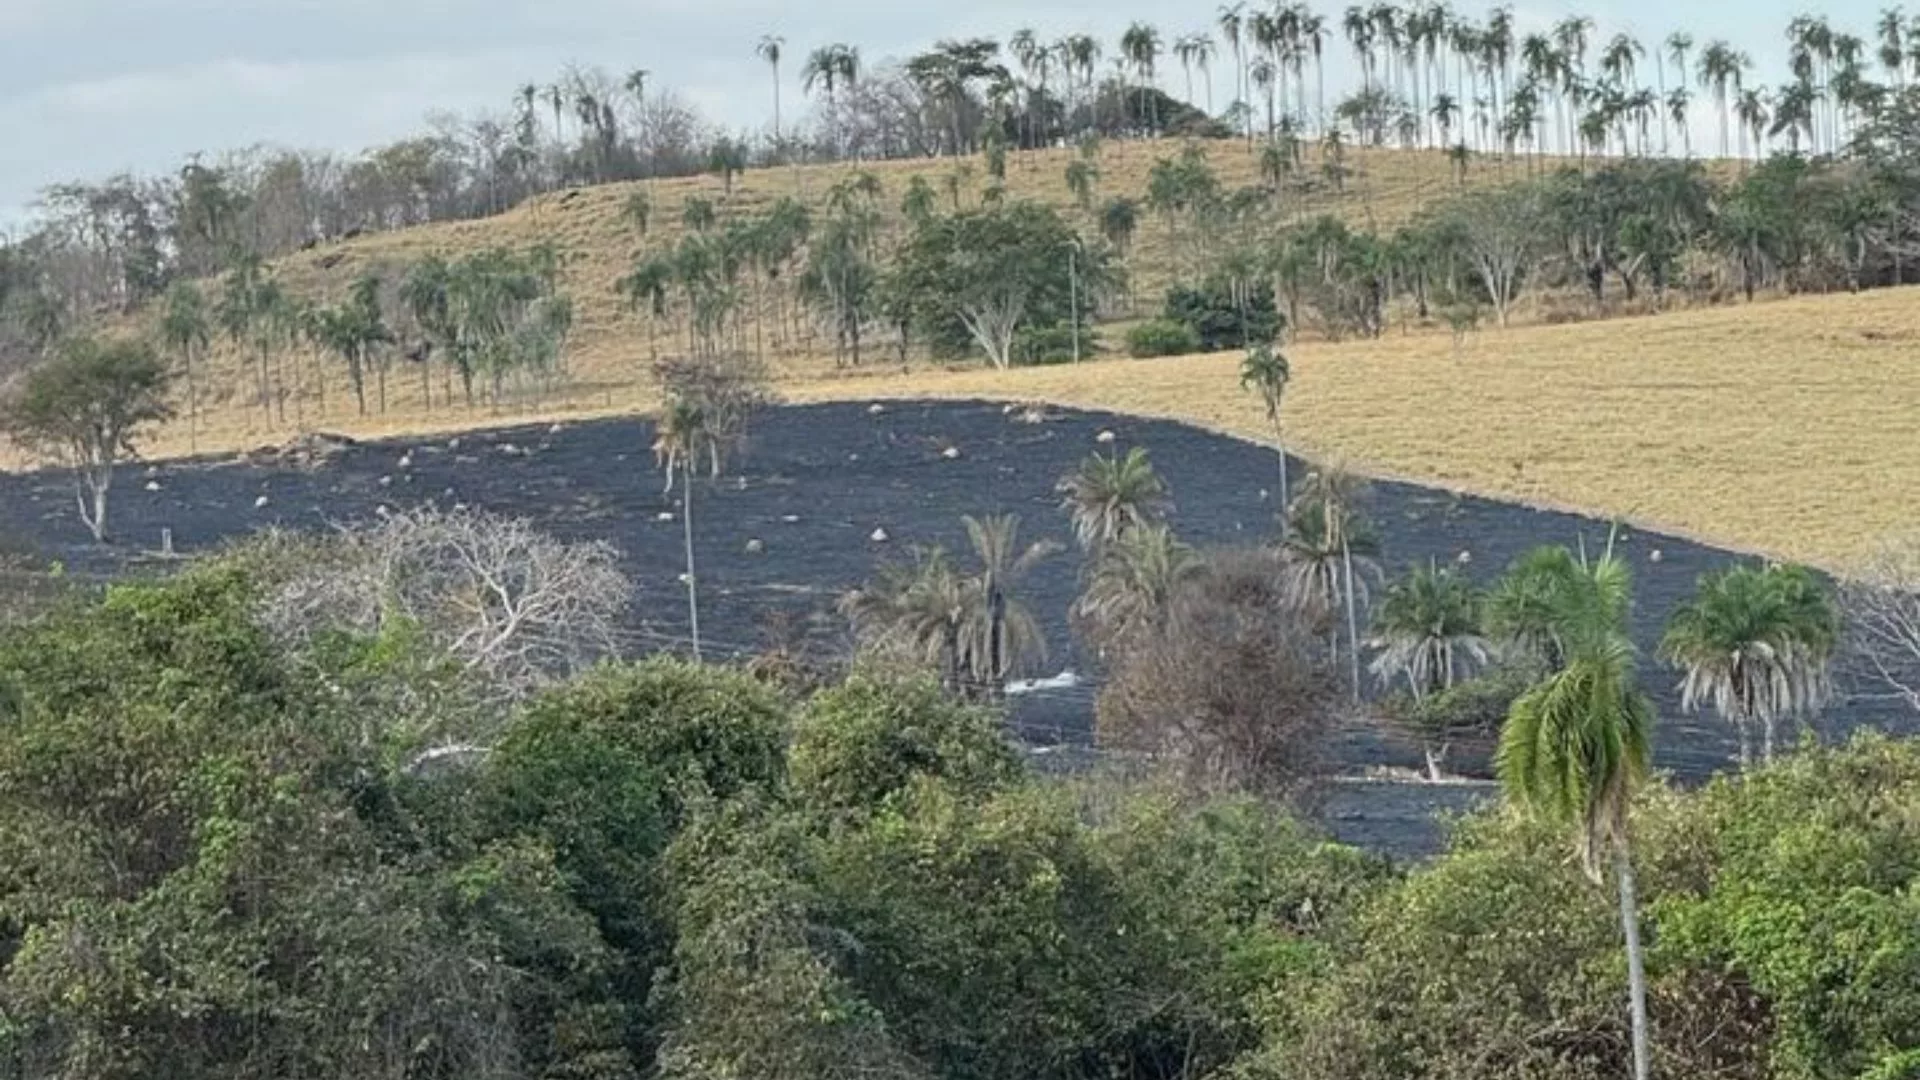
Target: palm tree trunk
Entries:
(1353, 622)
(693, 589)
(1286, 504)
(1636, 963)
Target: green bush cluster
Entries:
(221, 858)
(1161, 337)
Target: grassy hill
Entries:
(598, 244)
(1772, 427)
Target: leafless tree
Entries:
(1231, 690)
(501, 597)
(1881, 603)
(726, 389)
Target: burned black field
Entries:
(826, 492)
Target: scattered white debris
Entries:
(1464, 557)
(1654, 555)
(556, 429)
(664, 515)
(381, 510)
(876, 409)
(386, 481)
(878, 536)
(1064, 681)
(791, 519)
(1103, 437)
(153, 471)
(453, 444)
(405, 462)
(756, 546)
(153, 485)
(1264, 495)
(260, 502)
(509, 449)
(853, 457)
(950, 453)
(1007, 409)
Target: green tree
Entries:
(1575, 746)
(994, 271)
(1756, 644)
(84, 409)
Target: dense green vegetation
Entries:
(226, 855)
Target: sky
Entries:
(89, 88)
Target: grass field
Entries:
(1777, 427)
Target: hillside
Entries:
(598, 244)
(1767, 427)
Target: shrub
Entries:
(1220, 321)
(1231, 688)
(1034, 345)
(1162, 337)
(860, 743)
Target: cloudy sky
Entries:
(92, 87)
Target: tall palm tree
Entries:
(996, 632)
(680, 438)
(1330, 499)
(1751, 110)
(1140, 47)
(769, 49)
(829, 68)
(187, 330)
(1266, 372)
(1892, 53)
(1756, 643)
(1131, 583)
(1577, 744)
(1195, 50)
(1231, 23)
(1108, 496)
(1722, 70)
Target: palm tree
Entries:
(1721, 70)
(1522, 607)
(1194, 50)
(1131, 583)
(1756, 643)
(769, 50)
(1427, 628)
(996, 632)
(1140, 47)
(1577, 744)
(1427, 631)
(1266, 372)
(1751, 110)
(1892, 53)
(1329, 500)
(186, 329)
(680, 438)
(1109, 496)
(914, 608)
(1231, 23)
(828, 68)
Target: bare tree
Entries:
(1880, 601)
(503, 598)
(1501, 229)
(1230, 689)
